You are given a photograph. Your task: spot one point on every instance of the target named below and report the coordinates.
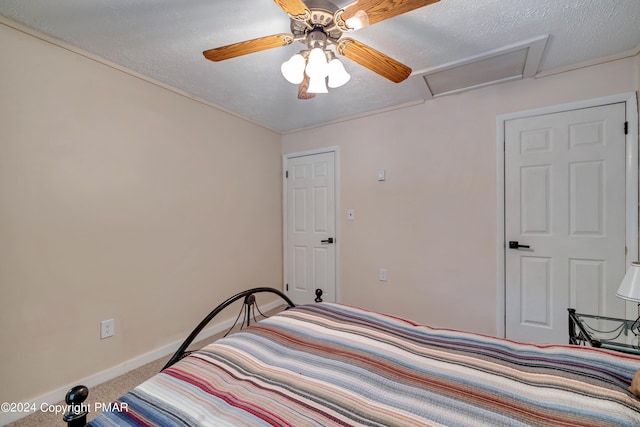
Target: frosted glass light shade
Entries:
(359, 20)
(317, 64)
(293, 69)
(338, 76)
(630, 287)
(317, 85)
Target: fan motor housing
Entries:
(320, 19)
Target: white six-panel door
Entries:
(311, 226)
(565, 199)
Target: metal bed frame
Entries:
(76, 416)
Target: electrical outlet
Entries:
(383, 275)
(107, 328)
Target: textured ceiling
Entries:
(164, 40)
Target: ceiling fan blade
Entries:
(248, 46)
(362, 13)
(372, 59)
(296, 9)
(302, 89)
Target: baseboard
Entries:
(58, 394)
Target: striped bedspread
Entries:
(330, 364)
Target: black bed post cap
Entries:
(76, 416)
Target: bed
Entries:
(330, 364)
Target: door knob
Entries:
(328, 241)
(513, 244)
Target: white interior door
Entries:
(565, 199)
(311, 227)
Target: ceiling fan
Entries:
(322, 24)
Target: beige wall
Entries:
(119, 199)
(433, 222)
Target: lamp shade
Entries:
(630, 287)
(293, 69)
(317, 64)
(337, 74)
(317, 85)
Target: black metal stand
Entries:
(582, 333)
(583, 336)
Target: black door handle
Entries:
(328, 241)
(513, 244)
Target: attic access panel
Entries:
(514, 62)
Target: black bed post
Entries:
(76, 415)
(318, 295)
(249, 301)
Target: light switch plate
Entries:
(381, 175)
(351, 214)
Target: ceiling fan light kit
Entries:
(293, 69)
(317, 65)
(317, 24)
(338, 76)
(317, 85)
